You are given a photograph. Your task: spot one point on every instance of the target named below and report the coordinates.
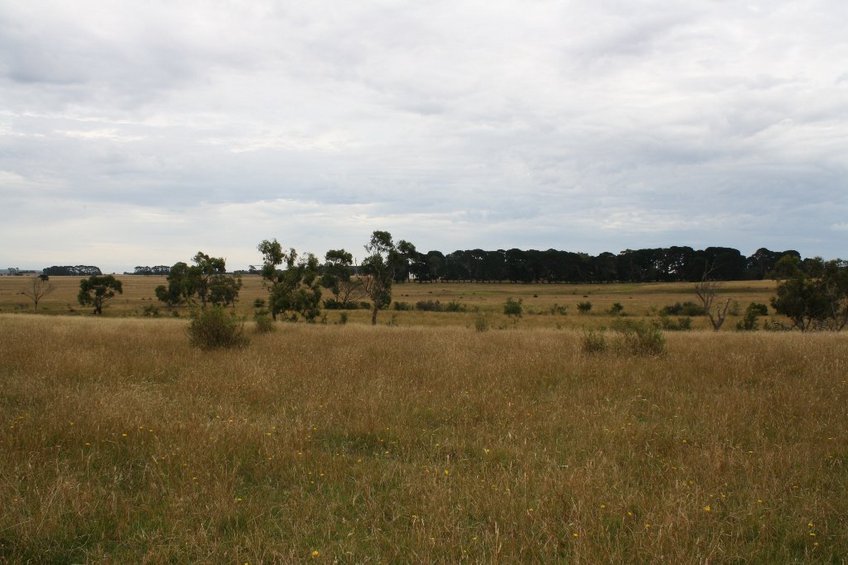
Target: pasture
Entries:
(423, 442)
(545, 305)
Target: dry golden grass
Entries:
(121, 444)
(639, 300)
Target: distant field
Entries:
(538, 299)
(352, 444)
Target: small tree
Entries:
(37, 288)
(206, 280)
(813, 296)
(295, 289)
(338, 277)
(707, 292)
(97, 289)
(513, 308)
(378, 272)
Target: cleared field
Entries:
(639, 300)
(395, 444)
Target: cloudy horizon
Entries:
(140, 133)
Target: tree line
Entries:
(662, 264)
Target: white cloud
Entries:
(583, 125)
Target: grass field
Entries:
(638, 300)
(331, 443)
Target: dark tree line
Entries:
(71, 271)
(668, 264)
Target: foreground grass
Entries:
(122, 444)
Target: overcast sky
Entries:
(137, 133)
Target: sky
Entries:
(137, 133)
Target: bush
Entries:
(343, 318)
(584, 307)
(333, 304)
(593, 342)
(682, 324)
(513, 308)
(402, 306)
(481, 323)
(150, 311)
(752, 312)
(264, 322)
(557, 309)
(684, 309)
(454, 306)
(214, 327)
(429, 306)
(616, 309)
(640, 338)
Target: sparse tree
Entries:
(97, 289)
(37, 288)
(707, 292)
(513, 308)
(378, 271)
(294, 290)
(814, 295)
(207, 280)
(338, 277)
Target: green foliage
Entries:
(513, 308)
(616, 309)
(293, 291)
(378, 271)
(337, 276)
(815, 296)
(343, 317)
(98, 289)
(593, 341)
(264, 322)
(683, 309)
(216, 328)
(560, 310)
(402, 306)
(683, 323)
(584, 307)
(752, 312)
(207, 281)
(436, 306)
(641, 338)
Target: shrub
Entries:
(429, 306)
(682, 324)
(454, 306)
(584, 307)
(481, 323)
(150, 311)
(683, 309)
(402, 306)
(616, 309)
(214, 327)
(593, 342)
(640, 338)
(513, 308)
(264, 322)
(752, 312)
(557, 309)
(343, 318)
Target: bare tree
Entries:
(716, 309)
(37, 288)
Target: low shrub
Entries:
(215, 328)
(681, 324)
(584, 307)
(513, 308)
(683, 309)
(402, 306)
(264, 322)
(641, 338)
(593, 341)
(752, 312)
(616, 309)
(481, 323)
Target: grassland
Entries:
(638, 300)
(351, 443)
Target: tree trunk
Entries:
(374, 316)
